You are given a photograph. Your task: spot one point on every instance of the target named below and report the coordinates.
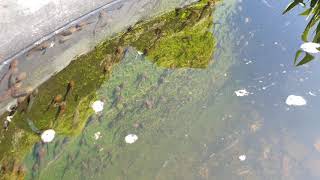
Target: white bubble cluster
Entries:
(293, 100)
(131, 138)
(48, 135)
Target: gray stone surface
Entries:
(23, 22)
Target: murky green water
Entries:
(188, 119)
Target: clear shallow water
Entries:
(196, 127)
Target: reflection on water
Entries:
(224, 119)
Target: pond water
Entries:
(228, 118)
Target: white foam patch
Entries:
(242, 157)
(293, 100)
(98, 106)
(241, 92)
(131, 138)
(48, 135)
(97, 135)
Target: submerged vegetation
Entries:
(180, 38)
(311, 12)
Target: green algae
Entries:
(87, 72)
(182, 38)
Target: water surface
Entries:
(189, 121)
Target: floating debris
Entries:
(9, 118)
(266, 87)
(97, 135)
(266, 3)
(242, 157)
(247, 20)
(255, 126)
(97, 106)
(51, 44)
(310, 47)
(311, 93)
(48, 135)
(241, 92)
(131, 138)
(293, 100)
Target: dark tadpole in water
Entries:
(61, 109)
(55, 101)
(102, 18)
(56, 148)
(70, 159)
(35, 170)
(89, 122)
(39, 152)
(13, 69)
(17, 92)
(120, 52)
(78, 27)
(141, 79)
(66, 34)
(161, 100)
(161, 80)
(148, 103)
(41, 47)
(70, 87)
(63, 39)
(83, 141)
(33, 126)
(65, 141)
(118, 90)
(205, 9)
(12, 112)
(30, 99)
(107, 67)
(119, 116)
(117, 101)
(138, 125)
(117, 93)
(6, 124)
(178, 10)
